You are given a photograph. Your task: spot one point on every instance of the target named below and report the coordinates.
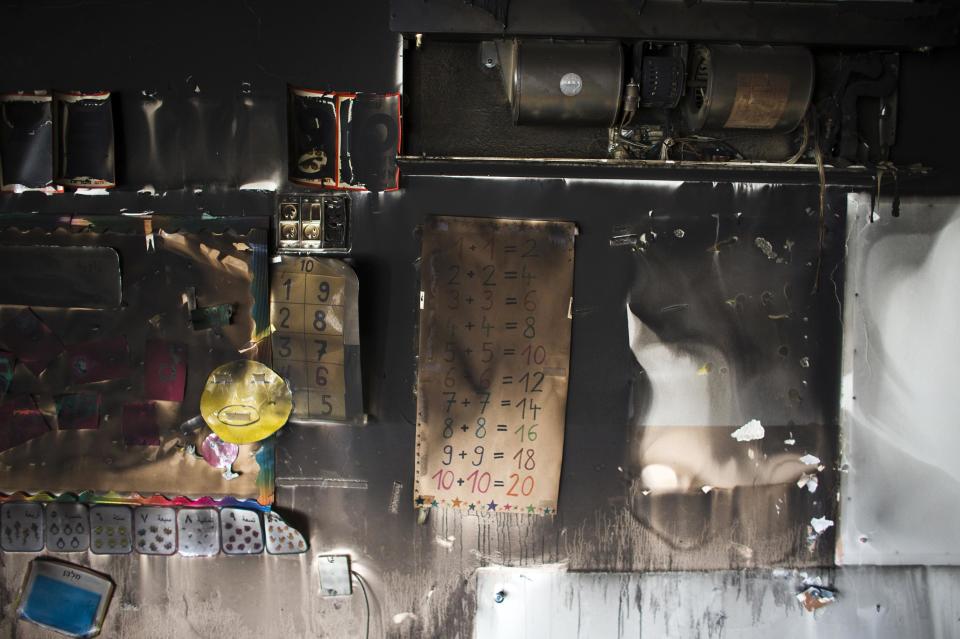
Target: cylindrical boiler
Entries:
(748, 87)
(573, 83)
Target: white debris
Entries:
(766, 248)
(263, 185)
(810, 460)
(819, 524)
(809, 481)
(748, 432)
(706, 489)
(399, 618)
(811, 581)
(790, 442)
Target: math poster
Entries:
(494, 357)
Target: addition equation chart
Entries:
(494, 358)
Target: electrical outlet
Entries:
(314, 224)
(335, 575)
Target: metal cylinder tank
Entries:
(573, 83)
(736, 87)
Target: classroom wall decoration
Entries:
(495, 321)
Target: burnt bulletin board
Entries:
(106, 399)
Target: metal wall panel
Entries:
(420, 577)
(900, 401)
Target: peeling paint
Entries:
(749, 432)
(819, 524)
(808, 481)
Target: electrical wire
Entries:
(639, 145)
(693, 145)
(804, 144)
(366, 599)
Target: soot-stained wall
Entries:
(706, 314)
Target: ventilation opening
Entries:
(700, 80)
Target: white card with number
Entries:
(241, 532)
(111, 530)
(199, 532)
(21, 527)
(155, 530)
(282, 538)
(68, 527)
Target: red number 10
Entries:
(481, 482)
(444, 478)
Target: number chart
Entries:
(495, 306)
(316, 340)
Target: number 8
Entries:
(530, 331)
(320, 321)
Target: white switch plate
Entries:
(335, 575)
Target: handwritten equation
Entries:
(494, 352)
